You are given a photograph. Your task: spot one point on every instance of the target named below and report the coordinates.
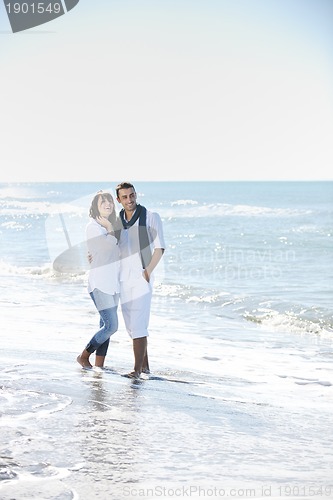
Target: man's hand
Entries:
(146, 275)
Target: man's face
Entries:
(127, 198)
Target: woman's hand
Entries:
(104, 222)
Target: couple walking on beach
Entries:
(123, 253)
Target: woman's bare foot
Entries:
(84, 362)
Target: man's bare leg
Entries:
(99, 361)
(83, 359)
(145, 365)
(140, 351)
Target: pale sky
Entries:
(170, 90)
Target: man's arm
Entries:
(156, 257)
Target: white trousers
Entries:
(135, 300)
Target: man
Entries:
(141, 247)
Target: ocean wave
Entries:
(288, 321)
(15, 208)
(7, 269)
(277, 316)
(190, 209)
(26, 404)
(183, 208)
(250, 210)
(311, 229)
(15, 192)
(183, 203)
(45, 271)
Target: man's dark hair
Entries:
(124, 185)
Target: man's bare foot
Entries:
(85, 363)
(99, 361)
(135, 375)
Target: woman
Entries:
(103, 281)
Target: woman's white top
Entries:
(105, 265)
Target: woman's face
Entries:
(105, 206)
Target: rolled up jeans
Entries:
(107, 306)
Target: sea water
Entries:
(240, 400)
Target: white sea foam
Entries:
(183, 202)
(190, 208)
(37, 208)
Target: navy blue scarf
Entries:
(141, 214)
